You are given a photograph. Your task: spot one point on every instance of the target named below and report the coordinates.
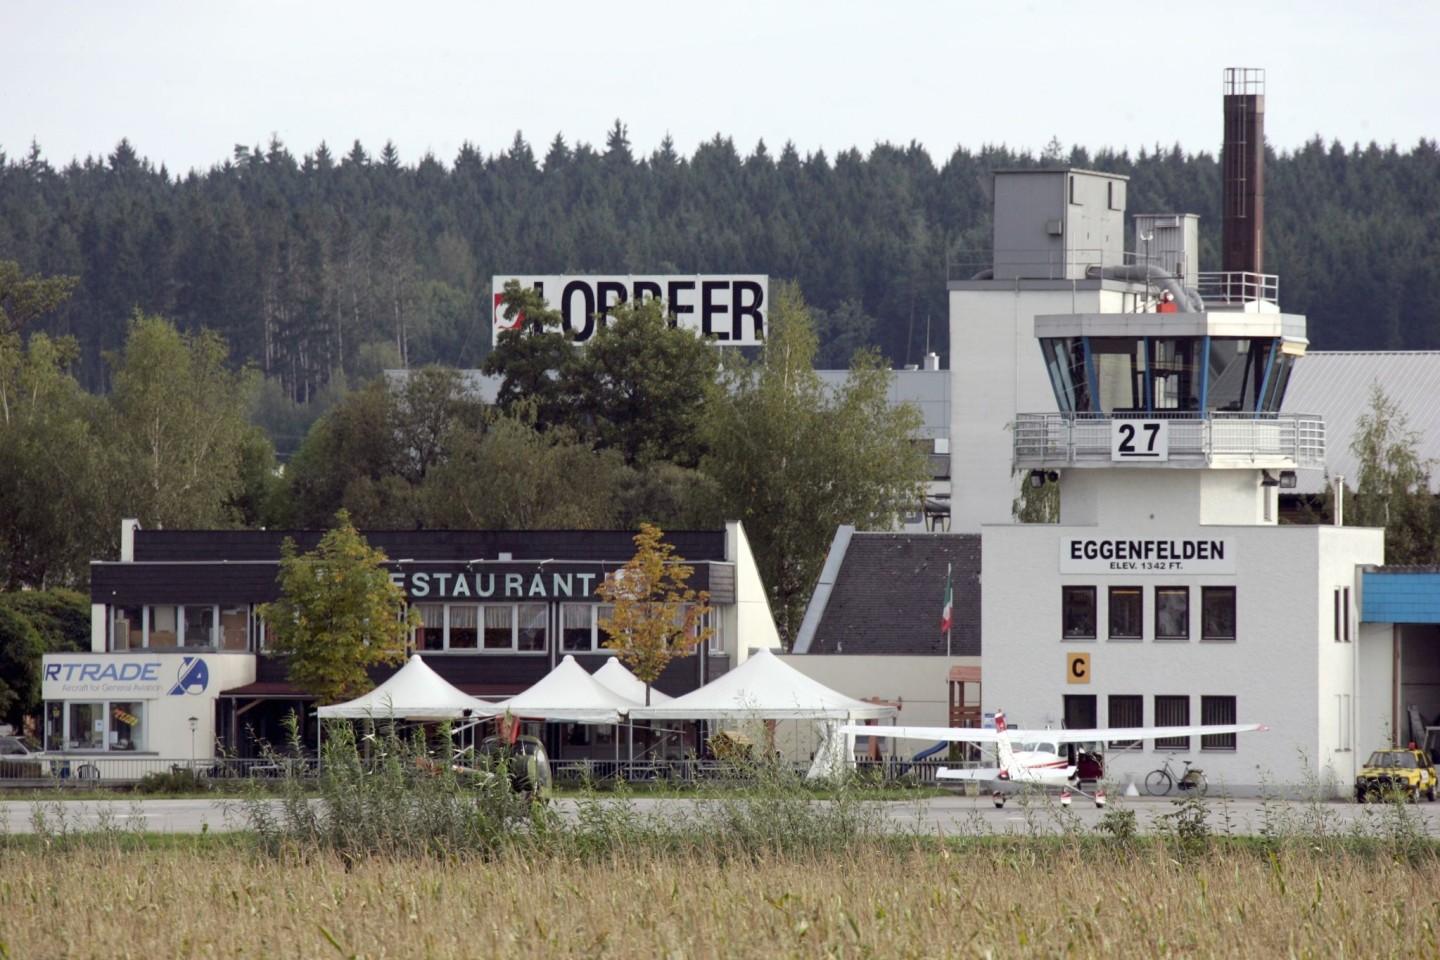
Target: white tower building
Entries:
(1167, 593)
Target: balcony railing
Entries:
(1237, 287)
(1294, 441)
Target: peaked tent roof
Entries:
(764, 688)
(415, 692)
(569, 694)
(619, 678)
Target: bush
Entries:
(178, 781)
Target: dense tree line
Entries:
(328, 266)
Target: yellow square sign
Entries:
(1077, 668)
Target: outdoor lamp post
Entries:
(194, 723)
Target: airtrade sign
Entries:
(729, 309)
(1146, 555)
(66, 677)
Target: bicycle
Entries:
(1159, 782)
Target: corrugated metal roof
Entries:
(1337, 386)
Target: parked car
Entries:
(18, 760)
(1397, 772)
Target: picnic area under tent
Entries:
(415, 692)
(568, 694)
(618, 677)
(764, 688)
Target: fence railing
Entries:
(100, 769)
(1279, 440)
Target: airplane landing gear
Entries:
(999, 800)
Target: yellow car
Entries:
(1396, 773)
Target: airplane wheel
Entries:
(999, 800)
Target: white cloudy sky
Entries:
(186, 81)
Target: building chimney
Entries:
(1243, 165)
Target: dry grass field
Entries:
(969, 899)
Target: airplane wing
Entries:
(953, 734)
(967, 773)
(974, 735)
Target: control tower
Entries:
(1167, 594)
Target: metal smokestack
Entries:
(1243, 163)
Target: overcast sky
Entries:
(186, 81)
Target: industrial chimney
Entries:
(1243, 163)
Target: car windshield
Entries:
(1391, 758)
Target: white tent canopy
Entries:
(763, 688)
(415, 692)
(618, 677)
(568, 694)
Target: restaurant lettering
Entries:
(496, 586)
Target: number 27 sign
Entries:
(1139, 440)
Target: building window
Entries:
(127, 628)
(1126, 710)
(199, 626)
(1172, 613)
(162, 630)
(1217, 710)
(430, 635)
(86, 728)
(1217, 613)
(95, 725)
(577, 627)
(234, 628)
(463, 626)
(1342, 614)
(533, 626)
(499, 628)
(1080, 712)
(717, 638)
(1127, 621)
(1171, 711)
(1078, 612)
(127, 726)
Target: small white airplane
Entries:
(1034, 757)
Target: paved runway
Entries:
(949, 815)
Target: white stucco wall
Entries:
(996, 371)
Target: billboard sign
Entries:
(731, 309)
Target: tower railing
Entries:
(1289, 440)
(1237, 286)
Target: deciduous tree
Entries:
(794, 460)
(338, 614)
(657, 617)
(1393, 489)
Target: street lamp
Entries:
(194, 722)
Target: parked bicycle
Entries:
(1160, 782)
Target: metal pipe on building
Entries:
(1186, 300)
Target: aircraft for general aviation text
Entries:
(1034, 758)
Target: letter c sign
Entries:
(1077, 668)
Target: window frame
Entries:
(1069, 592)
(1172, 591)
(1125, 716)
(1172, 710)
(1207, 593)
(1138, 594)
(1218, 709)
